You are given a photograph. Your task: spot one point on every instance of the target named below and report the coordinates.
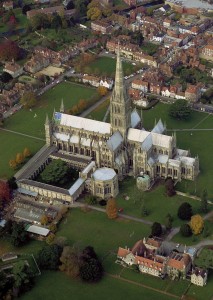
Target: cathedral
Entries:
(123, 144)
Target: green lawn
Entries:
(94, 228)
(106, 66)
(25, 121)
(99, 112)
(56, 285)
(157, 204)
(11, 144)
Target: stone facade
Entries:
(122, 144)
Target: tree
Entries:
(44, 220)
(111, 208)
(26, 152)
(185, 211)
(185, 230)
(94, 13)
(56, 22)
(52, 227)
(55, 172)
(69, 262)
(4, 191)
(19, 236)
(12, 183)
(19, 158)
(196, 224)
(12, 164)
(168, 222)
(180, 110)
(170, 189)
(5, 77)
(29, 99)
(25, 9)
(204, 202)
(22, 275)
(91, 200)
(156, 229)
(9, 50)
(102, 90)
(49, 257)
(91, 269)
(50, 238)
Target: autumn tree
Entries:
(82, 104)
(12, 163)
(28, 100)
(44, 220)
(94, 13)
(102, 90)
(26, 152)
(111, 208)
(50, 238)
(52, 227)
(19, 158)
(196, 224)
(69, 262)
(9, 50)
(204, 201)
(4, 191)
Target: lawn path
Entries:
(94, 106)
(143, 285)
(29, 136)
(202, 121)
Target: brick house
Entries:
(92, 80)
(140, 85)
(13, 69)
(36, 63)
(178, 265)
(193, 92)
(208, 51)
(101, 26)
(146, 59)
(87, 44)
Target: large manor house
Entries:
(107, 152)
(123, 144)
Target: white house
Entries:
(199, 276)
(108, 83)
(165, 92)
(158, 37)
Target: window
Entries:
(163, 170)
(175, 172)
(169, 171)
(188, 171)
(183, 170)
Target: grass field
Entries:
(156, 203)
(99, 113)
(11, 144)
(32, 122)
(24, 120)
(106, 65)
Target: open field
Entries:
(32, 122)
(156, 203)
(99, 113)
(56, 285)
(106, 66)
(11, 144)
(51, 71)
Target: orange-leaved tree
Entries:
(19, 158)
(111, 208)
(26, 152)
(12, 163)
(196, 224)
(102, 90)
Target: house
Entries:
(92, 80)
(152, 243)
(199, 276)
(87, 44)
(13, 69)
(155, 88)
(174, 89)
(208, 51)
(193, 92)
(158, 37)
(101, 26)
(36, 63)
(108, 83)
(47, 11)
(139, 84)
(165, 91)
(7, 5)
(145, 59)
(178, 265)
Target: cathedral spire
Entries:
(119, 76)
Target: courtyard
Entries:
(50, 71)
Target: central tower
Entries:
(120, 109)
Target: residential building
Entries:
(36, 63)
(8, 5)
(141, 85)
(101, 26)
(193, 92)
(199, 276)
(13, 69)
